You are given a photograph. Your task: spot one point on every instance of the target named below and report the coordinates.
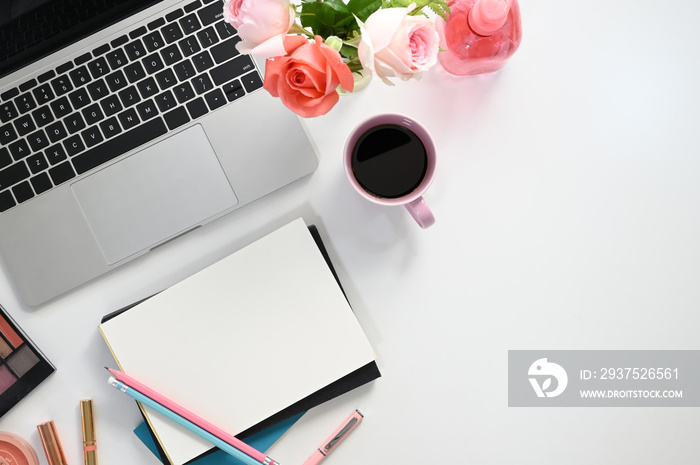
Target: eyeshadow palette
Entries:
(22, 366)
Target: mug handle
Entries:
(420, 212)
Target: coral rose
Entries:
(262, 24)
(306, 80)
(395, 43)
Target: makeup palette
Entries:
(22, 366)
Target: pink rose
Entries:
(262, 24)
(395, 43)
(306, 80)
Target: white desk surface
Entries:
(567, 204)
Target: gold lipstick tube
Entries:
(51, 443)
(89, 439)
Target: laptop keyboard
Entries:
(123, 94)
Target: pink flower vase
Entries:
(479, 35)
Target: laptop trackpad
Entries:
(155, 194)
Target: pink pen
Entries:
(192, 417)
(331, 443)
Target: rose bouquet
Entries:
(314, 48)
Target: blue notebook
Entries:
(260, 441)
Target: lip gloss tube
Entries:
(87, 416)
(52, 445)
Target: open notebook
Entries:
(242, 339)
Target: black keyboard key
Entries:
(101, 50)
(23, 192)
(42, 116)
(176, 118)
(93, 114)
(61, 85)
(55, 154)
(61, 107)
(252, 81)
(202, 83)
(190, 24)
(202, 61)
(147, 109)
(184, 92)
(111, 105)
(38, 140)
(135, 50)
(50, 74)
(8, 112)
(56, 131)
(7, 134)
(43, 94)
(41, 183)
(117, 58)
(130, 96)
(61, 173)
(80, 76)
(184, 70)
(138, 32)
(190, 7)
(98, 89)
(25, 86)
(189, 46)
(166, 78)
(84, 58)
(24, 125)
(211, 13)
(74, 123)
(119, 41)
(74, 145)
(110, 127)
(92, 136)
(148, 87)
(6, 201)
(197, 108)
(156, 24)
(207, 37)
(116, 81)
(135, 72)
(173, 15)
(172, 32)
(225, 30)
(232, 69)
(25, 102)
(65, 67)
(19, 149)
(153, 63)
(128, 118)
(5, 157)
(225, 50)
(233, 90)
(165, 101)
(98, 68)
(8, 94)
(79, 98)
(171, 54)
(37, 163)
(13, 174)
(119, 145)
(215, 99)
(153, 41)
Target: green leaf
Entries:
(348, 51)
(364, 8)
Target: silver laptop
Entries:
(125, 124)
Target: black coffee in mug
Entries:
(389, 161)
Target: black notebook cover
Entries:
(345, 384)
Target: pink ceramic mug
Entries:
(390, 160)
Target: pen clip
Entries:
(340, 434)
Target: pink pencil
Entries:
(190, 416)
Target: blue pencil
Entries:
(166, 412)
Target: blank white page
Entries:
(242, 339)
